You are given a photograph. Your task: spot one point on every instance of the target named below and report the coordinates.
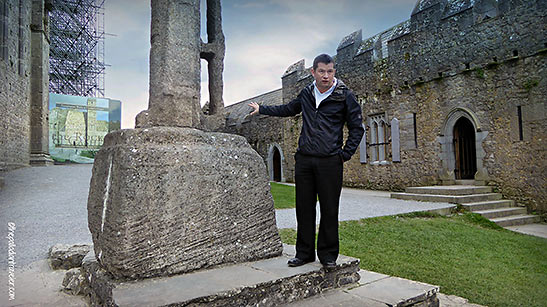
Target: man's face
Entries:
(324, 75)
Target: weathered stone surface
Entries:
(63, 256)
(174, 64)
(267, 282)
(75, 282)
(167, 200)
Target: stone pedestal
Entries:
(259, 283)
(168, 200)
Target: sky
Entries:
(263, 38)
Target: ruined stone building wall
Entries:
(261, 131)
(479, 60)
(15, 18)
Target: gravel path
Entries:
(358, 204)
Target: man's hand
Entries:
(255, 107)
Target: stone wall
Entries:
(483, 60)
(261, 131)
(15, 52)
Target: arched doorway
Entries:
(276, 165)
(464, 149)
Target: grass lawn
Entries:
(466, 255)
(283, 195)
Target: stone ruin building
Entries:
(24, 55)
(455, 92)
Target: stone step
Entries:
(516, 220)
(454, 199)
(469, 182)
(488, 205)
(450, 190)
(502, 212)
(267, 282)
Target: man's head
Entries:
(323, 72)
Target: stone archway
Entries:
(457, 121)
(275, 163)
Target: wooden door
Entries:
(464, 149)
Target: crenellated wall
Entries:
(481, 60)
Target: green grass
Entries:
(466, 255)
(283, 195)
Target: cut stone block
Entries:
(63, 256)
(167, 200)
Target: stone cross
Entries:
(175, 66)
(170, 197)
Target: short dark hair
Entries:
(322, 58)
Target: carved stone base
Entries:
(168, 200)
(260, 283)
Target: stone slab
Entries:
(168, 200)
(368, 277)
(537, 229)
(395, 291)
(267, 282)
(336, 298)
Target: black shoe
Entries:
(329, 264)
(294, 262)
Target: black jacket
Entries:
(323, 128)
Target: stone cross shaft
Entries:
(175, 67)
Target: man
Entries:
(326, 105)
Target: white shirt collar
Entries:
(321, 96)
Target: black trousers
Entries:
(317, 176)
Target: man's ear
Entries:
(312, 71)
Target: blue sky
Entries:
(263, 38)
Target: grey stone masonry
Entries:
(167, 200)
(39, 86)
(62, 256)
(174, 65)
(260, 283)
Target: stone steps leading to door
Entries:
(450, 190)
(501, 212)
(478, 199)
(454, 199)
(488, 205)
(514, 220)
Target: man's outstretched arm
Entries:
(290, 109)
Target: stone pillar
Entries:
(213, 51)
(39, 87)
(174, 65)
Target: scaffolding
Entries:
(76, 57)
